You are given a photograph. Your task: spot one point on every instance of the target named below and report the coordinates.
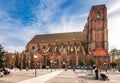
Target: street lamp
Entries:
(35, 64)
(51, 64)
(55, 64)
(29, 64)
(68, 63)
(105, 65)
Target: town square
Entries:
(64, 41)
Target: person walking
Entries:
(96, 74)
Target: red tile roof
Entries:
(80, 36)
(100, 52)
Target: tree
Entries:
(91, 62)
(113, 64)
(81, 63)
(2, 57)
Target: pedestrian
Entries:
(26, 68)
(96, 73)
(106, 69)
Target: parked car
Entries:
(90, 67)
(84, 67)
(73, 67)
(81, 67)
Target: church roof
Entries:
(70, 36)
(100, 52)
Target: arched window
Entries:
(44, 47)
(98, 15)
(33, 48)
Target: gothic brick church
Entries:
(73, 48)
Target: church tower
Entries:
(96, 28)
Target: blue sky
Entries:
(21, 20)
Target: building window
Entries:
(98, 15)
(33, 48)
(44, 48)
(98, 36)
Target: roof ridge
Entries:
(60, 33)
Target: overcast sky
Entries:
(21, 20)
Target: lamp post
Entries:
(29, 64)
(105, 66)
(55, 65)
(35, 64)
(51, 64)
(68, 63)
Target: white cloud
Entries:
(69, 24)
(14, 29)
(45, 11)
(114, 31)
(44, 14)
(113, 7)
(13, 48)
(24, 34)
(114, 25)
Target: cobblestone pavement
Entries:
(16, 76)
(42, 78)
(65, 77)
(114, 77)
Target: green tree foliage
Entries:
(113, 64)
(2, 57)
(91, 62)
(81, 63)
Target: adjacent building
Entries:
(115, 56)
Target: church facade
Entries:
(73, 48)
